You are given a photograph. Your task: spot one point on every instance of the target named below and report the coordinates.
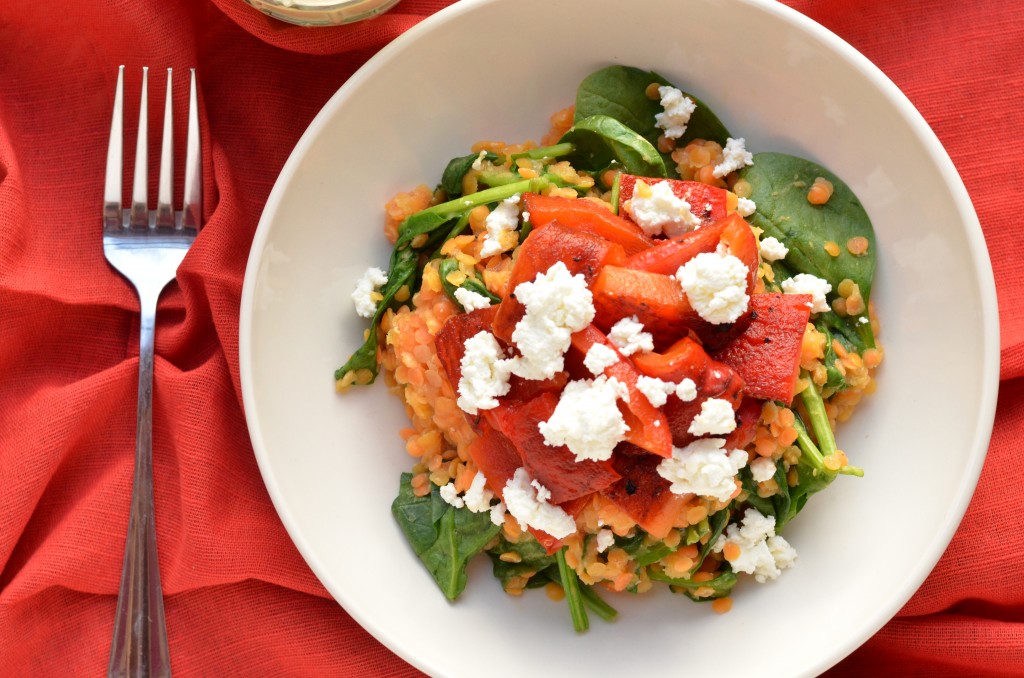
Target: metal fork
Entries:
(146, 246)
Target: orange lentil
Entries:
(832, 248)
(695, 514)
(554, 591)
(651, 91)
(820, 191)
(666, 145)
(721, 605)
(788, 436)
(732, 551)
(857, 246)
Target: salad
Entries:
(623, 351)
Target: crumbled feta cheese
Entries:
(478, 164)
(478, 497)
(451, 495)
(471, 300)
(704, 468)
(762, 469)
(656, 390)
(505, 217)
(676, 116)
(362, 296)
(863, 320)
(629, 337)
(522, 502)
(686, 390)
(485, 373)
(605, 538)
(526, 216)
(716, 285)
(498, 513)
(587, 419)
(745, 207)
(736, 156)
(716, 418)
(772, 249)
(557, 304)
(656, 209)
(599, 358)
(805, 283)
(762, 553)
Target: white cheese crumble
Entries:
(716, 418)
(531, 508)
(716, 285)
(656, 209)
(676, 116)
(372, 280)
(805, 283)
(505, 217)
(451, 495)
(470, 300)
(605, 539)
(498, 513)
(629, 337)
(772, 249)
(745, 207)
(704, 468)
(762, 469)
(478, 497)
(557, 304)
(599, 358)
(863, 320)
(587, 419)
(485, 373)
(762, 553)
(736, 156)
(655, 390)
(478, 164)
(686, 390)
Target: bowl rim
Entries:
(966, 214)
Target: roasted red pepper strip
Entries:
(495, 456)
(767, 353)
(648, 427)
(687, 360)
(643, 494)
(586, 216)
(657, 300)
(582, 253)
(707, 203)
(553, 467)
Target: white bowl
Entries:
(497, 69)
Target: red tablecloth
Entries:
(240, 600)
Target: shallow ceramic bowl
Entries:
(496, 69)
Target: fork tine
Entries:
(139, 215)
(164, 206)
(113, 217)
(192, 206)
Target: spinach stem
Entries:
(553, 151)
(815, 405)
(571, 586)
(597, 604)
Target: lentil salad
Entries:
(623, 351)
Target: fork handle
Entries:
(139, 648)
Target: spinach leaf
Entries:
(601, 141)
(456, 169)
(620, 92)
(532, 560)
(471, 283)
(722, 585)
(590, 598)
(779, 185)
(642, 550)
(444, 537)
(717, 522)
(571, 586)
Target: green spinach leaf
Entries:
(444, 537)
(601, 141)
(456, 169)
(620, 92)
(779, 185)
(722, 585)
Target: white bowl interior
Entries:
(494, 69)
